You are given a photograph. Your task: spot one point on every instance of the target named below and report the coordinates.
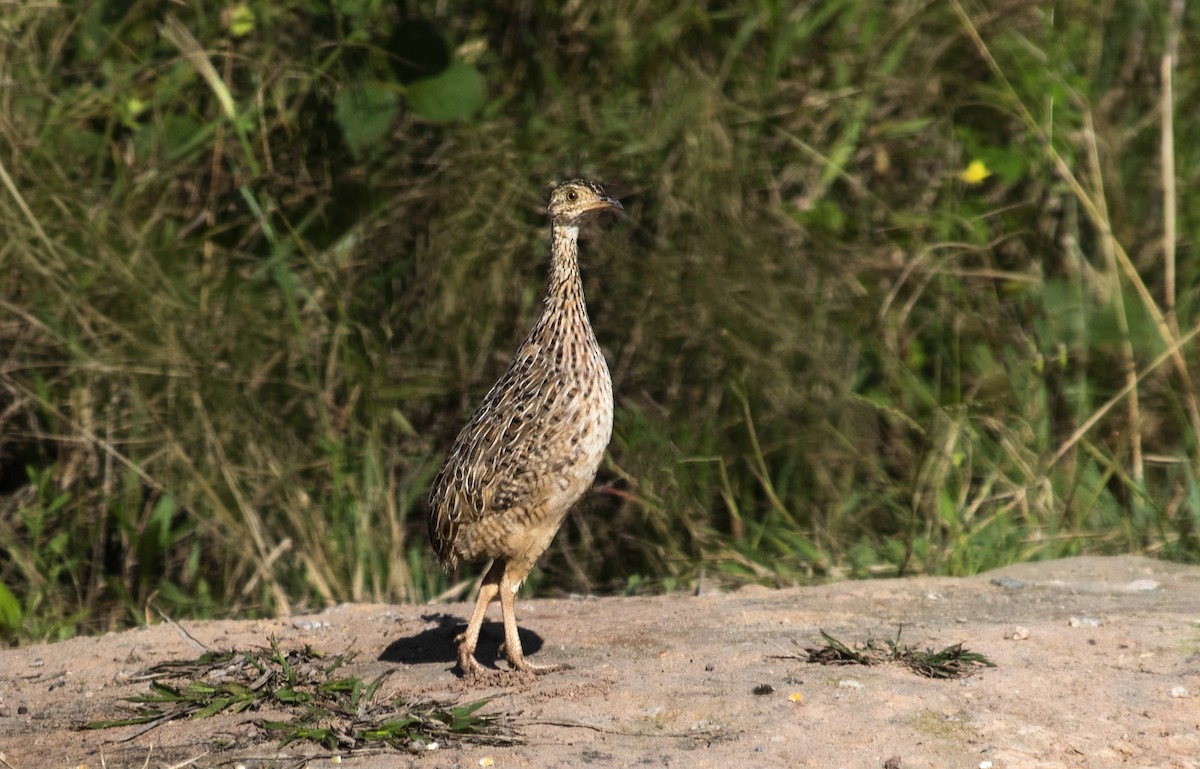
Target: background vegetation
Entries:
(903, 288)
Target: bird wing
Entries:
(507, 456)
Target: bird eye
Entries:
(572, 195)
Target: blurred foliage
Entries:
(261, 263)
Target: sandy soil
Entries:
(1098, 665)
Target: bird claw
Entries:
(474, 672)
(528, 668)
(518, 664)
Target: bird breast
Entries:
(557, 421)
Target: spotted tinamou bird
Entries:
(532, 448)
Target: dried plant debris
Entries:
(951, 662)
(339, 713)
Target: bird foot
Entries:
(528, 668)
(475, 673)
(518, 664)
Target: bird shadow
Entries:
(437, 642)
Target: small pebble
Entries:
(1017, 634)
(1142, 586)
(1008, 583)
(763, 689)
(1083, 622)
(1180, 691)
(985, 765)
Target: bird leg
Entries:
(512, 641)
(467, 664)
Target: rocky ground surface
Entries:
(1097, 664)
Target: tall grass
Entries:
(260, 265)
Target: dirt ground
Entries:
(1097, 665)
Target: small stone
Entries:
(1008, 583)
(1142, 586)
(22, 711)
(763, 689)
(1083, 622)
(1017, 634)
(1180, 691)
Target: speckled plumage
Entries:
(533, 446)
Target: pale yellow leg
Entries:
(467, 642)
(512, 641)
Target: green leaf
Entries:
(212, 708)
(365, 114)
(455, 94)
(199, 688)
(292, 696)
(241, 20)
(10, 609)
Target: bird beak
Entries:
(605, 204)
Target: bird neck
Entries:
(565, 287)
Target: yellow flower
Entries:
(975, 172)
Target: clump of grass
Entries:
(950, 662)
(338, 713)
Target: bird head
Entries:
(573, 201)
